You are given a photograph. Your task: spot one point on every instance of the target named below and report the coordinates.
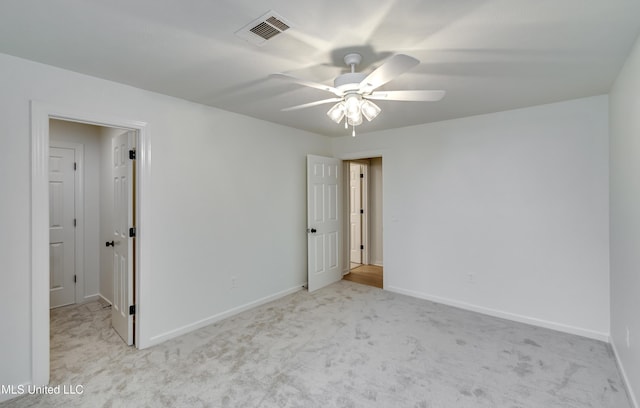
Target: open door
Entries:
(355, 213)
(324, 175)
(123, 233)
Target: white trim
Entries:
(7, 397)
(368, 154)
(104, 298)
(90, 298)
(78, 177)
(39, 245)
(223, 315)
(592, 334)
(364, 203)
(40, 115)
(625, 379)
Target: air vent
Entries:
(279, 24)
(263, 28)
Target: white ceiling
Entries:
(489, 55)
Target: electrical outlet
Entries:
(628, 338)
(234, 282)
(471, 277)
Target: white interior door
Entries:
(323, 221)
(355, 217)
(122, 243)
(62, 268)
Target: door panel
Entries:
(323, 219)
(62, 268)
(122, 176)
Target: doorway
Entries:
(41, 114)
(365, 221)
(91, 207)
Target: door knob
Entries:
(312, 230)
(108, 244)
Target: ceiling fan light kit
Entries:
(354, 90)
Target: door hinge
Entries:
(361, 211)
(75, 278)
(132, 154)
(75, 166)
(361, 175)
(362, 247)
(132, 309)
(132, 232)
(75, 222)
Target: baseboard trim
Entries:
(15, 394)
(91, 298)
(220, 316)
(505, 315)
(104, 298)
(625, 379)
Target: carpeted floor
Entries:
(347, 345)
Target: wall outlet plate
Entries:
(628, 338)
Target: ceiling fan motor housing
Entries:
(349, 81)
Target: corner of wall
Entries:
(625, 378)
(624, 218)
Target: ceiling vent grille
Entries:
(279, 24)
(263, 28)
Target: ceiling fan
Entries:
(354, 91)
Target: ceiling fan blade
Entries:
(310, 104)
(310, 84)
(416, 96)
(393, 67)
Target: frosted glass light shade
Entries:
(336, 113)
(370, 110)
(355, 120)
(352, 105)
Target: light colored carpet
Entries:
(347, 345)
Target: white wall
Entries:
(375, 211)
(89, 137)
(517, 199)
(625, 219)
(227, 192)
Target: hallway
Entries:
(366, 274)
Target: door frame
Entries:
(78, 199)
(364, 204)
(41, 112)
(352, 157)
